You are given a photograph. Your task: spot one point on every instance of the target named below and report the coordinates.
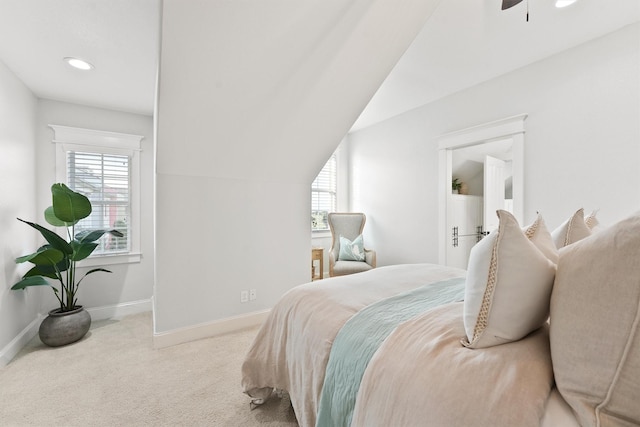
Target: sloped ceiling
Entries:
(464, 42)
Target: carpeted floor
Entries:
(114, 377)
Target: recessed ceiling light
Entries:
(78, 63)
(564, 3)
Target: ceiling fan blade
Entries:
(506, 4)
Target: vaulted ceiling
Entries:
(464, 43)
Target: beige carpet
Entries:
(113, 377)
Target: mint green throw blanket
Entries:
(359, 339)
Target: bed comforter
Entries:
(419, 375)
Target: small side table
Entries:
(317, 254)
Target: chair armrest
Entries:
(370, 257)
(332, 257)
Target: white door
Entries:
(493, 191)
(465, 215)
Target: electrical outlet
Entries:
(252, 294)
(244, 296)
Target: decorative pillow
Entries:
(507, 288)
(351, 251)
(539, 235)
(592, 222)
(595, 326)
(571, 230)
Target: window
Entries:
(105, 167)
(104, 179)
(323, 195)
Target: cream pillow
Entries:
(507, 288)
(571, 230)
(539, 235)
(595, 326)
(592, 222)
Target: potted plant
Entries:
(456, 185)
(57, 261)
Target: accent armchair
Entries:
(350, 226)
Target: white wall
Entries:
(128, 282)
(18, 189)
(253, 98)
(582, 145)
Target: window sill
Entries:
(320, 234)
(103, 260)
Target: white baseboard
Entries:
(119, 310)
(209, 329)
(97, 313)
(18, 343)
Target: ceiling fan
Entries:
(506, 4)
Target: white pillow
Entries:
(508, 286)
(571, 230)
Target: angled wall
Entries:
(253, 98)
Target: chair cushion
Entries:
(595, 326)
(342, 268)
(351, 250)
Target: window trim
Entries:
(67, 138)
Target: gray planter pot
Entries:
(62, 328)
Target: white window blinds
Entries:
(323, 195)
(105, 180)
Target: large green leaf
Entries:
(51, 218)
(93, 235)
(69, 206)
(31, 281)
(96, 270)
(49, 256)
(41, 270)
(51, 237)
(46, 269)
(82, 250)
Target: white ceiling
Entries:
(465, 42)
(119, 37)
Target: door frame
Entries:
(510, 127)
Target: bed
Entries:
(392, 346)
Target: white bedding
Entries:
(495, 386)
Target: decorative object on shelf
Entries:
(464, 188)
(57, 260)
(456, 185)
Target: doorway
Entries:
(485, 164)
